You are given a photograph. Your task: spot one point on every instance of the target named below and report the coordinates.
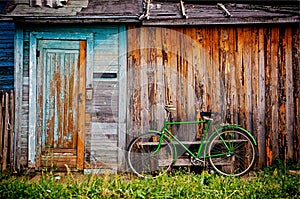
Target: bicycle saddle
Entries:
(170, 108)
(205, 114)
(208, 115)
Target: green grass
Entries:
(270, 182)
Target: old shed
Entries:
(91, 74)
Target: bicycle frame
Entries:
(166, 133)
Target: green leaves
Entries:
(271, 182)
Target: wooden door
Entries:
(61, 103)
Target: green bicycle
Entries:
(230, 149)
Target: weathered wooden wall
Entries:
(7, 29)
(249, 73)
(7, 147)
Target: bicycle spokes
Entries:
(150, 155)
(231, 153)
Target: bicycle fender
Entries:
(234, 126)
(244, 130)
(231, 126)
(174, 147)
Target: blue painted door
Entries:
(61, 72)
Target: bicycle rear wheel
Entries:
(145, 159)
(232, 152)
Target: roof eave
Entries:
(223, 21)
(76, 19)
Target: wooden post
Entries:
(261, 133)
(5, 134)
(11, 130)
(81, 105)
(290, 112)
(1, 129)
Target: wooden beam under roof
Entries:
(235, 1)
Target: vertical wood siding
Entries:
(7, 147)
(249, 74)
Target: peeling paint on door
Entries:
(58, 101)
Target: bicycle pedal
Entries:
(197, 161)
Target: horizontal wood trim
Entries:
(59, 158)
(59, 162)
(52, 150)
(104, 128)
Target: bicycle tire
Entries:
(141, 159)
(239, 159)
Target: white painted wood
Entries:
(32, 102)
(18, 87)
(122, 97)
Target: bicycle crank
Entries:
(197, 161)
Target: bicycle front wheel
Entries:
(146, 157)
(231, 152)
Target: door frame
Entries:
(34, 140)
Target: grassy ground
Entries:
(278, 181)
